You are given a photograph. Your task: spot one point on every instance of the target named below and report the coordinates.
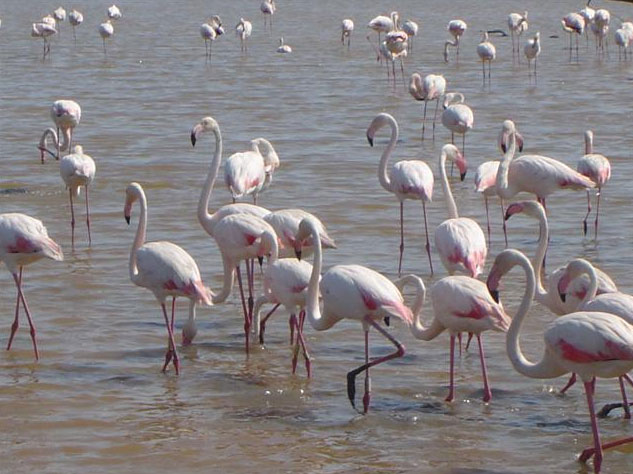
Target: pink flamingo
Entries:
(251, 171)
(166, 270)
(622, 38)
(532, 49)
(66, 115)
(432, 88)
(486, 52)
(457, 117)
(44, 30)
(208, 34)
(573, 23)
(268, 8)
(381, 24)
(77, 170)
(75, 18)
(456, 28)
(353, 292)
(24, 240)
(597, 168)
(459, 240)
(589, 344)
(410, 179)
(517, 23)
(588, 15)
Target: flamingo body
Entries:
(113, 12)
(244, 174)
(286, 222)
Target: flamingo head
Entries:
(379, 121)
(452, 153)
(305, 231)
(207, 124)
(531, 208)
(189, 331)
(133, 192)
(504, 262)
(574, 269)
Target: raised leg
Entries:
(484, 372)
(351, 376)
(16, 323)
(470, 338)
(451, 389)
(584, 222)
(262, 324)
(171, 349)
(401, 237)
(570, 383)
(88, 216)
(625, 401)
(426, 230)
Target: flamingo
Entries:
(43, 30)
(353, 292)
(106, 30)
(457, 117)
(410, 179)
(380, 24)
(75, 18)
(244, 29)
(487, 52)
(517, 23)
(216, 23)
(66, 114)
(597, 168)
(250, 172)
(24, 240)
(456, 28)
(410, 27)
(283, 48)
(535, 174)
(77, 169)
(622, 38)
(550, 297)
(271, 159)
(114, 13)
(165, 269)
(589, 344)
(268, 8)
(600, 28)
(60, 15)
(431, 88)
(573, 23)
(347, 26)
(208, 34)
(588, 15)
(459, 240)
(532, 49)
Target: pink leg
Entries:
(246, 322)
(88, 217)
(401, 237)
(584, 222)
(351, 376)
(301, 340)
(423, 119)
(459, 342)
(487, 218)
(16, 323)
(18, 281)
(487, 392)
(597, 212)
(295, 348)
(570, 383)
(597, 449)
(625, 401)
(451, 390)
(262, 324)
(628, 379)
(249, 278)
(173, 312)
(470, 338)
(72, 219)
(426, 230)
(171, 349)
(503, 219)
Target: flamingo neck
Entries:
(545, 368)
(189, 330)
(504, 167)
(588, 143)
(446, 188)
(540, 254)
(227, 284)
(43, 146)
(313, 311)
(383, 176)
(139, 239)
(417, 328)
(592, 291)
(65, 139)
(207, 220)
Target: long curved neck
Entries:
(417, 328)
(206, 219)
(504, 168)
(65, 139)
(313, 311)
(588, 143)
(139, 239)
(541, 249)
(383, 176)
(446, 188)
(592, 291)
(227, 284)
(545, 368)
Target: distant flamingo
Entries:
(114, 13)
(597, 168)
(579, 286)
(60, 15)
(66, 114)
(588, 15)
(410, 179)
(573, 23)
(77, 169)
(410, 27)
(283, 48)
(75, 18)
(24, 240)
(268, 8)
(589, 344)
(216, 23)
(347, 26)
(43, 30)
(456, 28)
(622, 38)
(457, 117)
(271, 159)
(487, 52)
(459, 240)
(208, 34)
(517, 23)
(380, 24)
(353, 292)
(532, 49)
(431, 88)
(600, 28)
(106, 30)
(165, 269)
(244, 29)
(43, 145)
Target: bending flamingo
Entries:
(573, 23)
(75, 18)
(286, 222)
(597, 168)
(24, 240)
(432, 88)
(106, 30)
(410, 27)
(380, 24)
(208, 34)
(410, 179)
(517, 23)
(43, 30)
(167, 271)
(347, 26)
(244, 29)
(457, 117)
(589, 344)
(456, 28)
(268, 8)
(246, 173)
(66, 114)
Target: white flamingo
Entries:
(456, 28)
(268, 9)
(75, 18)
(43, 30)
(380, 24)
(208, 34)
(244, 29)
(432, 87)
(457, 117)
(411, 28)
(517, 23)
(347, 27)
(597, 168)
(106, 30)
(66, 114)
(283, 48)
(114, 13)
(487, 53)
(60, 15)
(573, 23)
(532, 49)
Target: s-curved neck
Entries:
(504, 167)
(206, 219)
(446, 188)
(417, 328)
(545, 368)
(227, 284)
(541, 249)
(139, 239)
(592, 291)
(313, 311)
(383, 176)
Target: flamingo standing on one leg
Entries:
(622, 38)
(410, 179)
(589, 344)
(43, 30)
(60, 15)
(244, 29)
(597, 168)
(245, 173)
(353, 292)
(347, 26)
(531, 50)
(431, 88)
(75, 18)
(487, 53)
(24, 240)
(165, 269)
(517, 23)
(66, 114)
(208, 34)
(410, 27)
(380, 24)
(77, 169)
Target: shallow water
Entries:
(97, 401)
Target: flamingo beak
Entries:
(495, 295)
(195, 132)
(298, 254)
(370, 139)
(387, 321)
(260, 260)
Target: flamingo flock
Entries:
(591, 338)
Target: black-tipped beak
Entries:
(495, 295)
(127, 219)
(260, 260)
(503, 147)
(462, 176)
(193, 139)
(563, 296)
(370, 140)
(298, 254)
(507, 216)
(387, 321)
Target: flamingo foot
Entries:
(14, 329)
(450, 397)
(487, 396)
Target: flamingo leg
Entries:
(437, 104)
(295, 347)
(570, 383)
(58, 146)
(351, 376)
(487, 391)
(426, 230)
(424, 118)
(451, 390)
(597, 449)
(16, 323)
(505, 227)
(88, 216)
(597, 212)
(246, 322)
(301, 340)
(173, 312)
(18, 282)
(171, 347)
(487, 218)
(402, 71)
(625, 401)
(459, 343)
(251, 285)
(584, 222)
(587, 453)
(401, 237)
(453, 142)
(470, 338)
(483, 69)
(262, 324)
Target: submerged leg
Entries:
(16, 323)
(246, 321)
(88, 217)
(401, 237)
(487, 391)
(262, 324)
(597, 447)
(171, 349)
(451, 389)
(18, 281)
(584, 222)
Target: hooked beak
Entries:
(563, 296)
(387, 321)
(370, 140)
(195, 131)
(462, 176)
(495, 295)
(127, 219)
(261, 261)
